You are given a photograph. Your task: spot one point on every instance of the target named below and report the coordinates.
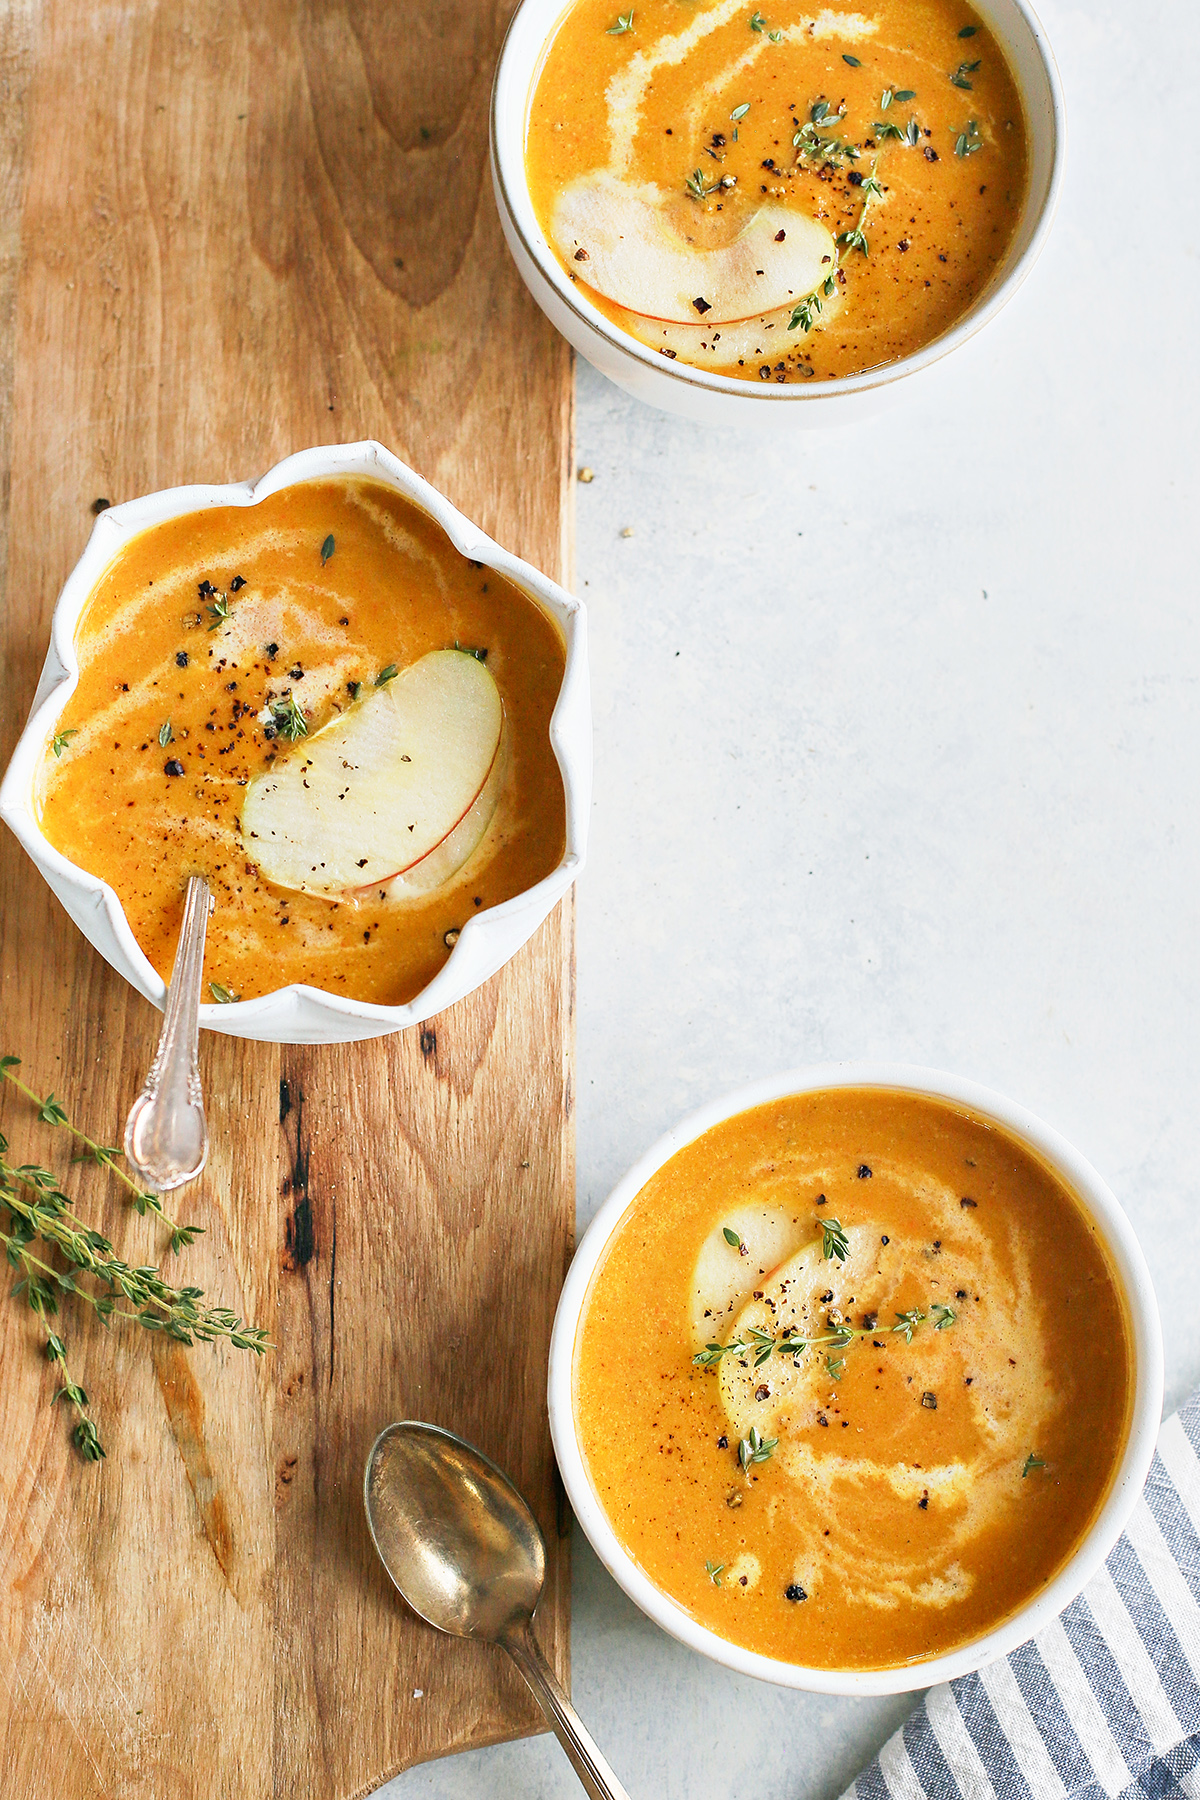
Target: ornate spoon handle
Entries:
(586, 1759)
(166, 1139)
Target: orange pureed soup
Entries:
(853, 1378)
(212, 653)
(777, 193)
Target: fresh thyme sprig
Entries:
(856, 237)
(61, 739)
(35, 1211)
(713, 1570)
(806, 311)
(85, 1437)
(106, 1156)
(755, 1448)
(909, 134)
(623, 22)
(834, 1242)
(968, 140)
(1032, 1461)
(808, 142)
(959, 77)
(761, 1345)
(218, 610)
(290, 722)
(697, 187)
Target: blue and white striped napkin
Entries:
(1104, 1702)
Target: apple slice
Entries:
(726, 1273)
(405, 783)
(624, 242)
(765, 338)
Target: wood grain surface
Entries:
(225, 234)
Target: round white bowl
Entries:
(720, 400)
(1130, 1264)
(300, 1014)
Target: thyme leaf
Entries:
(755, 1448)
(623, 22)
(834, 1242)
(60, 740)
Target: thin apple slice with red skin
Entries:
(457, 848)
(764, 339)
(383, 785)
(624, 241)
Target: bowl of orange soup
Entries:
(770, 215)
(327, 691)
(856, 1378)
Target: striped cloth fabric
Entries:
(1104, 1702)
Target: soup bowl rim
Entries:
(299, 1012)
(516, 74)
(1128, 1478)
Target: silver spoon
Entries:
(166, 1138)
(466, 1553)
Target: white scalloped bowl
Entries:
(300, 1014)
(1133, 1278)
(721, 401)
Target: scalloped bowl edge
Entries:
(299, 1014)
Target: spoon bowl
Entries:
(465, 1551)
(452, 1532)
(166, 1137)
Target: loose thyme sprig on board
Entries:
(106, 1156)
(35, 1211)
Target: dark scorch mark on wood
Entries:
(300, 1236)
(301, 1243)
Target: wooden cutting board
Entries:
(226, 234)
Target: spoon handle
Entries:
(569, 1729)
(166, 1138)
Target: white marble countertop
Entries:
(897, 756)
